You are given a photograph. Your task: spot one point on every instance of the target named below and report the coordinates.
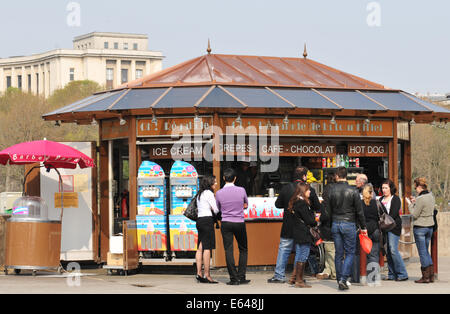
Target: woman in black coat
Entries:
(391, 204)
(303, 220)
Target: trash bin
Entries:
(33, 241)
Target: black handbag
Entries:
(191, 211)
(386, 222)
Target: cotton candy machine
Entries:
(33, 240)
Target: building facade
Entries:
(110, 59)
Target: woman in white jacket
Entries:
(207, 208)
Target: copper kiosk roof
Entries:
(212, 69)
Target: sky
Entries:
(402, 44)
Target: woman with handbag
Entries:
(422, 209)
(391, 204)
(207, 209)
(304, 220)
(370, 208)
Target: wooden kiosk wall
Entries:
(263, 236)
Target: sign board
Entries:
(298, 149)
(69, 200)
(173, 126)
(308, 127)
(368, 150)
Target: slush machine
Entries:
(152, 214)
(183, 188)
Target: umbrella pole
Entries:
(62, 191)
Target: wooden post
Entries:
(95, 212)
(394, 177)
(132, 158)
(362, 267)
(216, 152)
(104, 201)
(434, 253)
(407, 168)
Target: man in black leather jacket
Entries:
(344, 204)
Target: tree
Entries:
(71, 93)
(431, 159)
(21, 121)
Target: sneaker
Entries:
(348, 283)
(275, 280)
(342, 285)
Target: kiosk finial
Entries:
(305, 52)
(209, 50)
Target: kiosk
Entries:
(216, 111)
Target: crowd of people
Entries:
(343, 213)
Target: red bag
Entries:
(365, 242)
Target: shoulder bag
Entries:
(386, 222)
(191, 211)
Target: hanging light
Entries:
(58, 123)
(122, 121)
(94, 122)
(412, 122)
(239, 119)
(367, 120)
(154, 119)
(197, 119)
(333, 120)
(286, 119)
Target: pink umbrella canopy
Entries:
(47, 152)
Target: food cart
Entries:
(33, 234)
(260, 115)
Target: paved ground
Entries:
(98, 282)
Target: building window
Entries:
(135, 46)
(124, 76)
(125, 46)
(29, 82)
(106, 45)
(72, 74)
(19, 82)
(116, 45)
(139, 73)
(37, 83)
(8, 81)
(109, 78)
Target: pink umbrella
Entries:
(51, 154)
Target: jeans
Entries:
(344, 235)
(284, 251)
(301, 253)
(423, 239)
(238, 231)
(396, 266)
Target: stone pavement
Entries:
(96, 281)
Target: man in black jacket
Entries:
(287, 238)
(345, 209)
